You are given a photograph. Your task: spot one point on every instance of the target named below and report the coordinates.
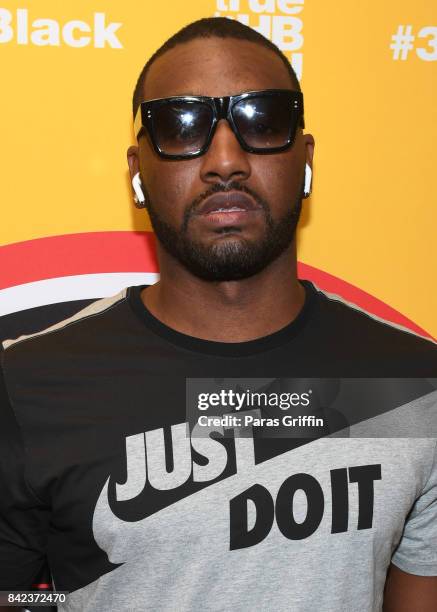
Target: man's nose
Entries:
(225, 159)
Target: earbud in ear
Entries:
(307, 182)
(137, 187)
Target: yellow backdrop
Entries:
(68, 71)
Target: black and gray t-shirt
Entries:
(104, 485)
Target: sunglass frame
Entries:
(221, 109)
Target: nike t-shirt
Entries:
(105, 486)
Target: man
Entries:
(105, 479)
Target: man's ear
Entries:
(140, 193)
(309, 143)
(133, 160)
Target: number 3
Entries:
(423, 53)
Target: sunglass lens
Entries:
(265, 122)
(181, 128)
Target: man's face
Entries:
(221, 246)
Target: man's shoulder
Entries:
(29, 321)
(47, 327)
(353, 328)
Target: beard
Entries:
(233, 259)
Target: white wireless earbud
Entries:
(139, 195)
(307, 183)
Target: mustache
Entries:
(222, 188)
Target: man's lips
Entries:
(232, 201)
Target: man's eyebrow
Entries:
(203, 95)
(182, 93)
(175, 95)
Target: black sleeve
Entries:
(24, 518)
(35, 319)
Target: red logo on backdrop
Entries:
(129, 252)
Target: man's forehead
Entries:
(215, 67)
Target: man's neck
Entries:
(233, 311)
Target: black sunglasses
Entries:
(182, 127)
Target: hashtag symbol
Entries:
(402, 42)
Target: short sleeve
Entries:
(416, 552)
(24, 519)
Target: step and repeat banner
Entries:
(69, 229)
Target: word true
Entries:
(49, 32)
(237, 400)
(291, 7)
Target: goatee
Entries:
(230, 259)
